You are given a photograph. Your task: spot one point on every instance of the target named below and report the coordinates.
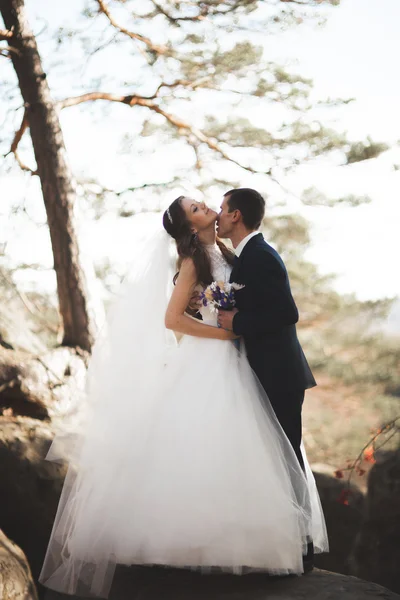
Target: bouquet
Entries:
(220, 295)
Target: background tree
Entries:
(55, 176)
(199, 71)
(196, 89)
(197, 80)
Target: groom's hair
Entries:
(250, 203)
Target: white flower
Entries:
(237, 286)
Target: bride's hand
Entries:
(230, 335)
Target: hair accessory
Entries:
(169, 216)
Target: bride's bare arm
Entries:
(175, 317)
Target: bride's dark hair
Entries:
(188, 244)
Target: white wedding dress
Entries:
(191, 470)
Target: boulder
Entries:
(18, 327)
(154, 583)
(30, 487)
(29, 492)
(376, 554)
(343, 515)
(40, 386)
(15, 575)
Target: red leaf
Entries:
(369, 454)
(344, 497)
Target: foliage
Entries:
(197, 77)
(342, 334)
(197, 81)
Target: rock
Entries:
(15, 575)
(40, 386)
(343, 521)
(376, 554)
(154, 583)
(17, 326)
(30, 487)
(4, 343)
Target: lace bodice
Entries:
(221, 271)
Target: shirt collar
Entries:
(239, 247)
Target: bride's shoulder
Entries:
(187, 269)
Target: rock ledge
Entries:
(155, 583)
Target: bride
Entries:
(182, 461)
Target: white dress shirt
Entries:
(239, 247)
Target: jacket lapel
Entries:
(235, 274)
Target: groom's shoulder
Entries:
(261, 247)
(261, 253)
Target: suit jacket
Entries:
(267, 317)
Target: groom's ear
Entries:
(236, 216)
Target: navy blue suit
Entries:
(267, 320)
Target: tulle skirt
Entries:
(195, 473)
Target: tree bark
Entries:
(55, 176)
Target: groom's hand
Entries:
(194, 305)
(225, 318)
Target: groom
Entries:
(265, 314)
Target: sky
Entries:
(355, 55)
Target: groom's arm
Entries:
(274, 307)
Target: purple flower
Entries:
(219, 294)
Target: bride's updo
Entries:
(188, 245)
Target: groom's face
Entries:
(224, 220)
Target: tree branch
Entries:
(174, 20)
(205, 10)
(6, 34)
(17, 138)
(105, 190)
(103, 8)
(186, 83)
(294, 2)
(130, 100)
(20, 132)
(9, 50)
(183, 127)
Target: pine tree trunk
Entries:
(55, 176)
